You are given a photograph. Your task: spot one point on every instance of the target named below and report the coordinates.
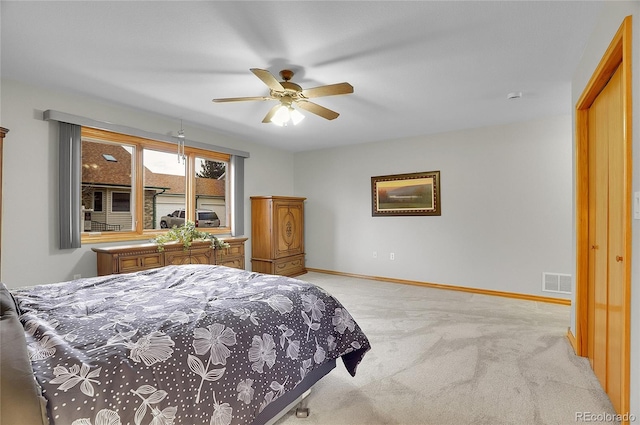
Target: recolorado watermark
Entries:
(604, 417)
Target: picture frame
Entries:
(406, 194)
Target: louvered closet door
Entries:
(606, 238)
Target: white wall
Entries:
(506, 208)
(610, 20)
(30, 253)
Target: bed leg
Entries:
(302, 411)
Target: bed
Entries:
(192, 344)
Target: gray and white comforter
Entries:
(180, 344)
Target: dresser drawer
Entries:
(290, 266)
(128, 264)
(237, 263)
(192, 256)
(234, 250)
(232, 253)
(233, 256)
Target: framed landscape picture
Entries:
(406, 194)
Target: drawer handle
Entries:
(619, 258)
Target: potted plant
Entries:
(186, 234)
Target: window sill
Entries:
(100, 237)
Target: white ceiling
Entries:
(417, 67)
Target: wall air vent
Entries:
(556, 282)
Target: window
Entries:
(97, 201)
(165, 185)
(120, 201)
(211, 185)
(107, 179)
(135, 183)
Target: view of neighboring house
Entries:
(107, 197)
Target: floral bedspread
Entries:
(193, 344)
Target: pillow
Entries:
(7, 303)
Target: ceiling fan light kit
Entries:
(285, 114)
(289, 94)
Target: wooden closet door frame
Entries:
(618, 54)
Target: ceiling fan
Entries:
(289, 94)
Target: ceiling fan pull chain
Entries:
(181, 154)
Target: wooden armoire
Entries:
(277, 235)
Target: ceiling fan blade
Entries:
(330, 90)
(241, 99)
(270, 114)
(268, 79)
(314, 108)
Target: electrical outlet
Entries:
(77, 276)
(392, 256)
(636, 205)
(375, 254)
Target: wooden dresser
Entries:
(277, 235)
(133, 258)
(3, 131)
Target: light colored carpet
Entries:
(444, 357)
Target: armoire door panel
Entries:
(289, 240)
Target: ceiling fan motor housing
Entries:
(286, 74)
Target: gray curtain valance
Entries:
(52, 115)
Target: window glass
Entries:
(211, 193)
(107, 175)
(97, 201)
(164, 189)
(121, 201)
